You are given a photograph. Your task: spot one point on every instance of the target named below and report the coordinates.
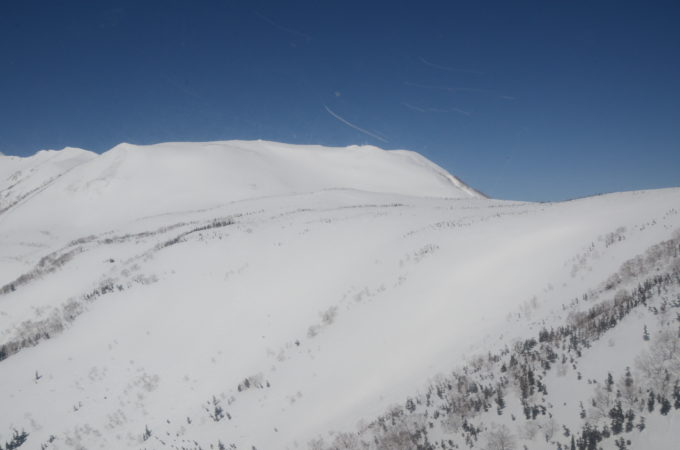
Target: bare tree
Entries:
(346, 441)
(660, 365)
(500, 438)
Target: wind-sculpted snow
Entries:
(323, 317)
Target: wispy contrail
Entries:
(414, 108)
(449, 69)
(447, 88)
(282, 28)
(458, 110)
(351, 125)
(435, 110)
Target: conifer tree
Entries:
(630, 417)
(17, 441)
(500, 402)
(616, 414)
(610, 382)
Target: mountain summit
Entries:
(131, 181)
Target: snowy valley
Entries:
(257, 295)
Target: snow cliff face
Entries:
(254, 294)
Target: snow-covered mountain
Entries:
(270, 296)
(129, 182)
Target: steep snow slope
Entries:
(266, 317)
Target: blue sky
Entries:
(522, 100)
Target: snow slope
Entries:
(130, 182)
(263, 295)
(23, 177)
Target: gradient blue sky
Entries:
(523, 100)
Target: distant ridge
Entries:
(131, 181)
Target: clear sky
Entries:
(536, 100)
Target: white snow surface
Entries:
(129, 181)
(337, 280)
